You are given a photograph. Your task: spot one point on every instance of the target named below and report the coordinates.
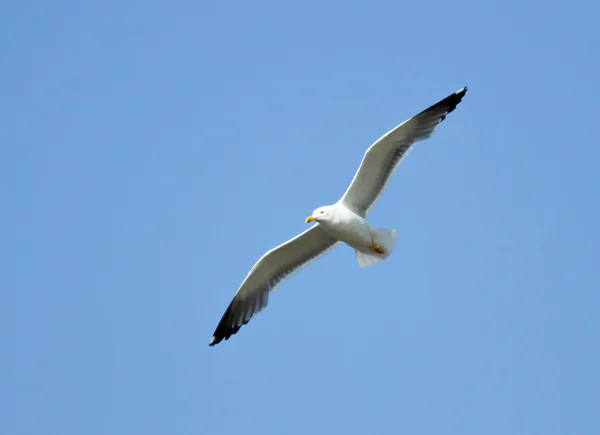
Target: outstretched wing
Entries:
(383, 157)
(275, 266)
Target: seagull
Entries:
(345, 221)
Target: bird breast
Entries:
(348, 227)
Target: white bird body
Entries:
(344, 225)
(344, 221)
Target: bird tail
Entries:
(386, 239)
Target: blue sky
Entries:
(152, 152)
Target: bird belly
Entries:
(355, 232)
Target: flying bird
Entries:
(345, 221)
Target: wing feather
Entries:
(384, 156)
(275, 266)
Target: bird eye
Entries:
(322, 212)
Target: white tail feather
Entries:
(384, 238)
(366, 260)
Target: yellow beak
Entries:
(310, 219)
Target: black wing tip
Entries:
(448, 104)
(216, 340)
(224, 333)
(453, 100)
(225, 329)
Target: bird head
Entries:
(320, 214)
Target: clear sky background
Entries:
(151, 152)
